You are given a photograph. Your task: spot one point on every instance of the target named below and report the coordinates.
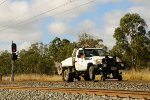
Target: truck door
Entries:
(80, 61)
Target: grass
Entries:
(140, 75)
(34, 77)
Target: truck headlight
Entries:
(97, 61)
(104, 65)
(117, 59)
(122, 65)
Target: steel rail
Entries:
(116, 93)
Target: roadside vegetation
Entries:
(132, 47)
(140, 75)
(33, 77)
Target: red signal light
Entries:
(14, 47)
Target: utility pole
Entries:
(12, 70)
(14, 57)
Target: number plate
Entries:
(113, 68)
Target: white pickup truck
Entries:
(88, 62)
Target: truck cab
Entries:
(86, 56)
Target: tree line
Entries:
(41, 58)
(132, 47)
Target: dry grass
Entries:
(142, 75)
(34, 77)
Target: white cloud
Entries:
(18, 11)
(142, 11)
(14, 13)
(86, 25)
(58, 28)
(24, 45)
(13, 25)
(111, 21)
(145, 2)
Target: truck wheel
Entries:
(120, 78)
(86, 77)
(91, 73)
(103, 78)
(78, 78)
(67, 76)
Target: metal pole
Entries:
(12, 70)
(0, 76)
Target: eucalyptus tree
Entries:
(5, 62)
(89, 40)
(60, 50)
(132, 40)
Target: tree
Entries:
(60, 50)
(35, 60)
(132, 40)
(88, 40)
(5, 62)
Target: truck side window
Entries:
(81, 54)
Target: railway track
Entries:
(116, 93)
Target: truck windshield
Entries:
(94, 52)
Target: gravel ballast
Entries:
(8, 94)
(114, 85)
(51, 95)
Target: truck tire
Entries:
(86, 77)
(67, 76)
(91, 73)
(104, 76)
(119, 77)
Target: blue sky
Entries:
(99, 18)
(95, 15)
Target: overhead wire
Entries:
(6, 26)
(3, 2)
(17, 17)
(29, 19)
(36, 8)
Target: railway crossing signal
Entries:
(13, 58)
(14, 49)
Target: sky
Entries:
(29, 21)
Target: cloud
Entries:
(58, 28)
(145, 2)
(13, 25)
(85, 25)
(16, 12)
(111, 21)
(15, 16)
(24, 45)
(141, 10)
